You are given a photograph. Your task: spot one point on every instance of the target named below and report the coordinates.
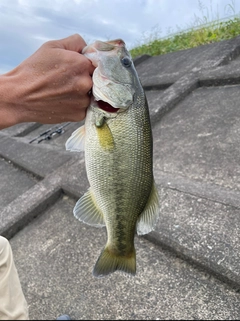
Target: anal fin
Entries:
(148, 218)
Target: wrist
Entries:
(9, 103)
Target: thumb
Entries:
(73, 43)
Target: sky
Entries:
(26, 24)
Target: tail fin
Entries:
(109, 262)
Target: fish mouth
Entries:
(106, 106)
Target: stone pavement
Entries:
(188, 267)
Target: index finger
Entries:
(73, 43)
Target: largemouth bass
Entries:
(117, 140)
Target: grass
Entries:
(204, 32)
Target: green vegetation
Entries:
(204, 33)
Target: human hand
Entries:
(51, 86)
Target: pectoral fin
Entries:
(76, 142)
(87, 211)
(149, 216)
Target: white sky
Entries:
(26, 24)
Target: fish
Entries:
(118, 144)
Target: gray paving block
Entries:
(20, 130)
(36, 159)
(13, 183)
(160, 102)
(212, 192)
(203, 230)
(24, 208)
(55, 255)
(168, 68)
(199, 138)
(140, 59)
(74, 177)
(154, 98)
(221, 76)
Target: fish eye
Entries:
(127, 62)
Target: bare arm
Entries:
(51, 86)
